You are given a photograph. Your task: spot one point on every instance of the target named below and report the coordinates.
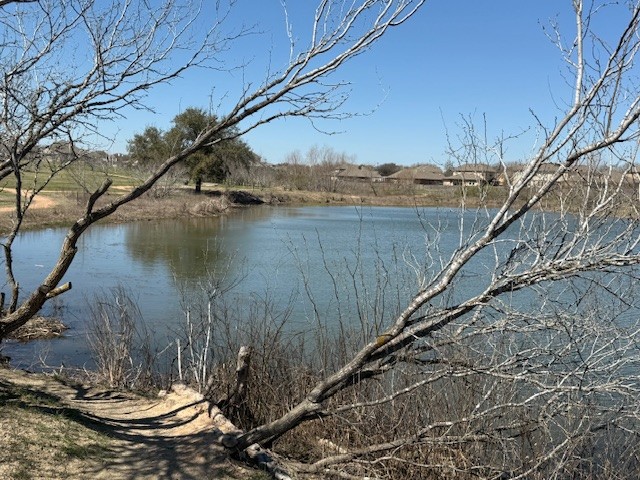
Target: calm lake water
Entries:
(343, 263)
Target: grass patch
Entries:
(6, 198)
(41, 438)
(75, 178)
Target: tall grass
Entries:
(121, 345)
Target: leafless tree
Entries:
(544, 348)
(130, 46)
(315, 170)
(67, 66)
(324, 163)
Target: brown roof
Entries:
(421, 172)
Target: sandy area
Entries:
(41, 201)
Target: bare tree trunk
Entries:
(234, 405)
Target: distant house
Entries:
(578, 174)
(361, 173)
(547, 171)
(67, 151)
(506, 174)
(472, 174)
(625, 177)
(513, 173)
(420, 175)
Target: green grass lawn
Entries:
(71, 179)
(6, 199)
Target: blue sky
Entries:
(474, 58)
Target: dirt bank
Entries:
(62, 209)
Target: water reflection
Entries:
(186, 247)
(193, 248)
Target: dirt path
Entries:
(171, 437)
(40, 202)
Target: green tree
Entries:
(387, 169)
(211, 162)
(149, 147)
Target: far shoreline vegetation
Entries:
(335, 182)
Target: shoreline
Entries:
(60, 209)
